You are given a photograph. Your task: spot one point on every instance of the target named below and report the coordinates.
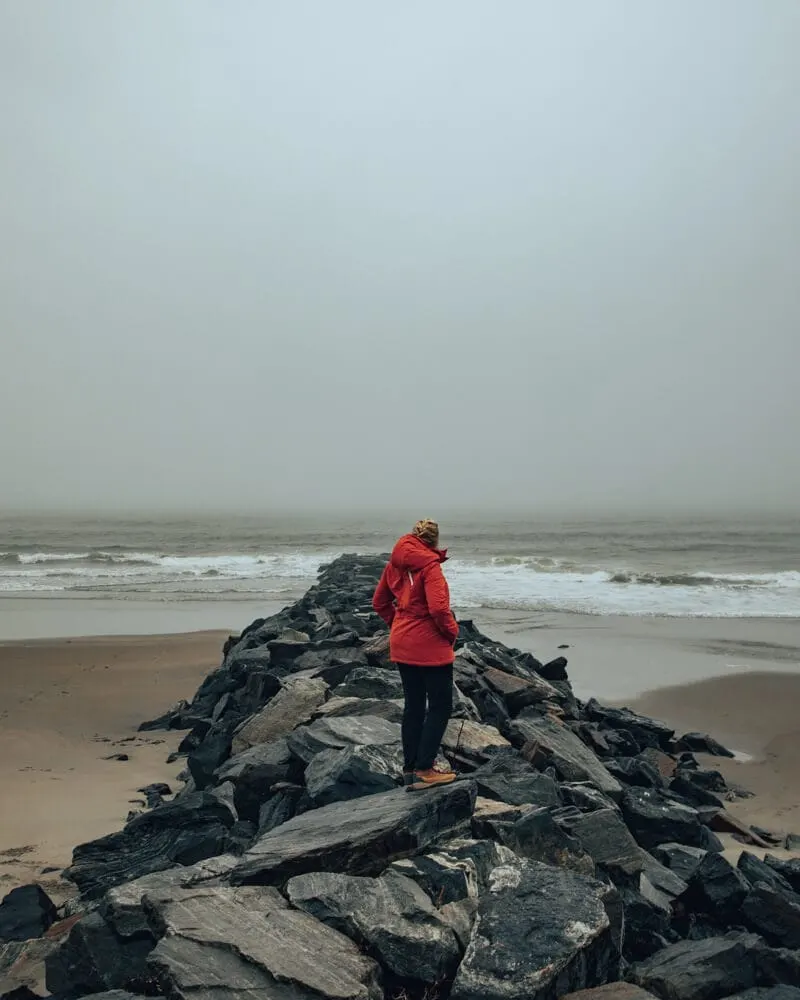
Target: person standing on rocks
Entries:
(413, 598)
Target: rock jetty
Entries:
(578, 854)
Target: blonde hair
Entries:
(427, 530)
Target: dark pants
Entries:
(428, 688)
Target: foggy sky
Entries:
(524, 254)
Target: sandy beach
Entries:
(66, 706)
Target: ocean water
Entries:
(749, 567)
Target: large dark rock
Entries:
(635, 771)
(703, 970)
(537, 836)
(655, 819)
(367, 682)
(702, 743)
(611, 991)
(755, 870)
(608, 841)
(769, 993)
(540, 932)
(357, 837)
(648, 923)
(716, 888)
(773, 914)
(254, 772)
(507, 777)
(645, 732)
(390, 917)
(789, 869)
(337, 775)
(293, 705)
(571, 758)
(458, 870)
(178, 833)
(340, 732)
(245, 942)
(95, 958)
(680, 858)
(26, 912)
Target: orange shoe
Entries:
(431, 778)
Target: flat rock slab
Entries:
(702, 970)
(338, 732)
(246, 944)
(391, 916)
(293, 705)
(358, 837)
(573, 760)
(540, 933)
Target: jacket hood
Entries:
(411, 553)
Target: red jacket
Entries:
(414, 600)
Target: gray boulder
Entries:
(390, 917)
(571, 758)
(338, 775)
(358, 837)
(540, 932)
(240, 943)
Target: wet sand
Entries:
(65, 706)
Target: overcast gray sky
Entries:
(261, 254)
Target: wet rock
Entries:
(337, 775)
(572, 759)
(702, 970)
(792, 842)
(340, 732)
(755, 870)
(293, 705)
(518, 692)
(280, 807)
(555, 670)
(358, 837)
(654, 819)
(180, 832)
(223, 941)
(94, 959)
(458, 870)
(537, 836)
(773, 914)
(366, 682)
(390, 917)
(635, 771)
(254, 772)
(648, 923)
(789, 869)
(702, 743)
(608, 841)
(716, 888)
(680, 858)
(540, 932)
(26, 912)
(645, 732)
(208, 755)
(506, 776)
